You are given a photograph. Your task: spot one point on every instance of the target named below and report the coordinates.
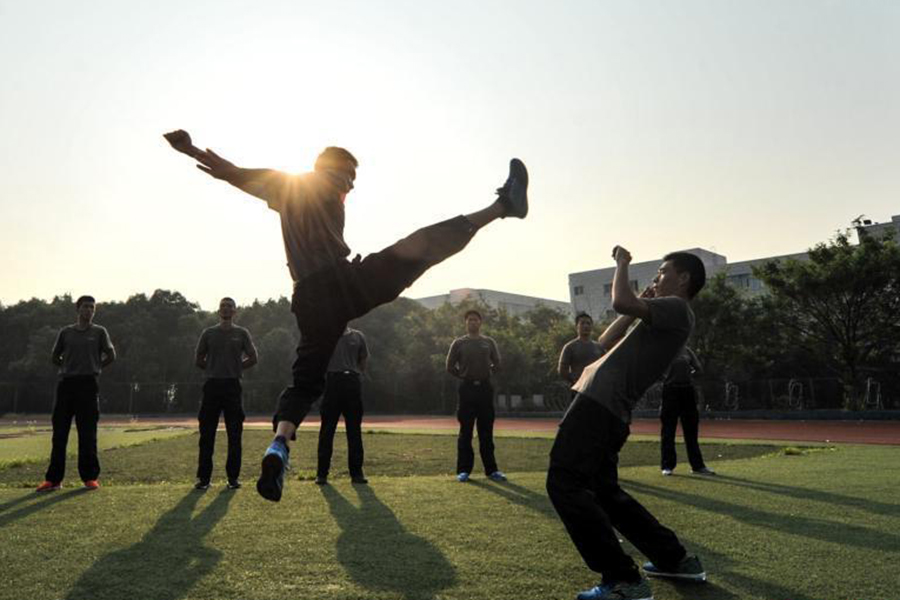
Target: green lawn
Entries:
(818, 524)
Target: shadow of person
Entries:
(518, 494)
(166, 563)
(7, 515)
(379, 554)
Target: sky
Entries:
(748, 128)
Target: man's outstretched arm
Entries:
(624, 300)
(252, 181)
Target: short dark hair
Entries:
(334, 158)
(690, 263)
(229, 299)
(472, 311)
(583, 315)
(82, 299)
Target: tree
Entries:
(843, 304)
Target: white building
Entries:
(866, 227)
(514, 304)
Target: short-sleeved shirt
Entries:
(312, 221)
(81, 350)
(350, 351)
(224, 350)
(577, 354)
(619, 379)
(473, 358)
(679, 372)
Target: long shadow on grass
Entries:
(830, 498)
(166, 563)
(820, 529)
(379, 554)
(518, 495)
(45, 501)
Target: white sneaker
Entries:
(667, 472)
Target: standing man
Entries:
(580, 352)
(223, 352)
(81, 352)
(330, 291)
(343, 396)
(473, 358)
(583, 478)
(679, 400)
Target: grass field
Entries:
(807, 524)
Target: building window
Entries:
(578, 290)
(607, 289)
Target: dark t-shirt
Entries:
(680, 371)
(351, 349)
(577, 354)
(312, 221)
(224, 350)
(81, 350)
(619, 379)
(473, 358)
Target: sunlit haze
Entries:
(747, 128)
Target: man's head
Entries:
(473, 321)
(583, 324)
(85, 306)
(339, 166)
(680, 274)
(227, 308)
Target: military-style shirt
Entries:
(349, 353)
(473, 358)
(577, 354)
(81, 350)
(619, 379)
(224, 350)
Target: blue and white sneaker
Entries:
(689, 569)
(497, 476)
(275, 462)
(462, 477)
(639, 590)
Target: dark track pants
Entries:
(220, 396)
(680, 402)
(475, 409)
(324, 302)
(583, 485)
(77, 397)
(343, 396)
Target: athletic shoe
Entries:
(462, 477)
(703, 471)
(667, 472)
(234, 484)
(638, 590)
(497, 476)
(201, 485)
(48, 486)
(92, 484)
(274, 464)
(689, 569)
(360, 479)
(321, 479)
(514, 193)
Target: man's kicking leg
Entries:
(326, 301)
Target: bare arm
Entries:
(624, 300)
(696, 365)
(109, 357)
(615, 332)
(202, 352)
(56, 356)
(453, 360)
(251, 357)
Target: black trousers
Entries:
(220, 396)
(680, 402)
(324, 302)
(475, 409)
(583, 484)
(77, 397)
(343, 396)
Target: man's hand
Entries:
(216, 166)
(649, 292)
(180, 140)
(621, 255)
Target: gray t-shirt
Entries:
(473, 358)
(577, 354)
(312, 221)
(679, 372)
(81, 350)
(350, 351)
(224, 350)
(619, 379)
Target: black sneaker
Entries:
(321, 479)
(201, 485)
(234, 484)
(271, 480)
(359, 478)
(514, 193)
(689, 569)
